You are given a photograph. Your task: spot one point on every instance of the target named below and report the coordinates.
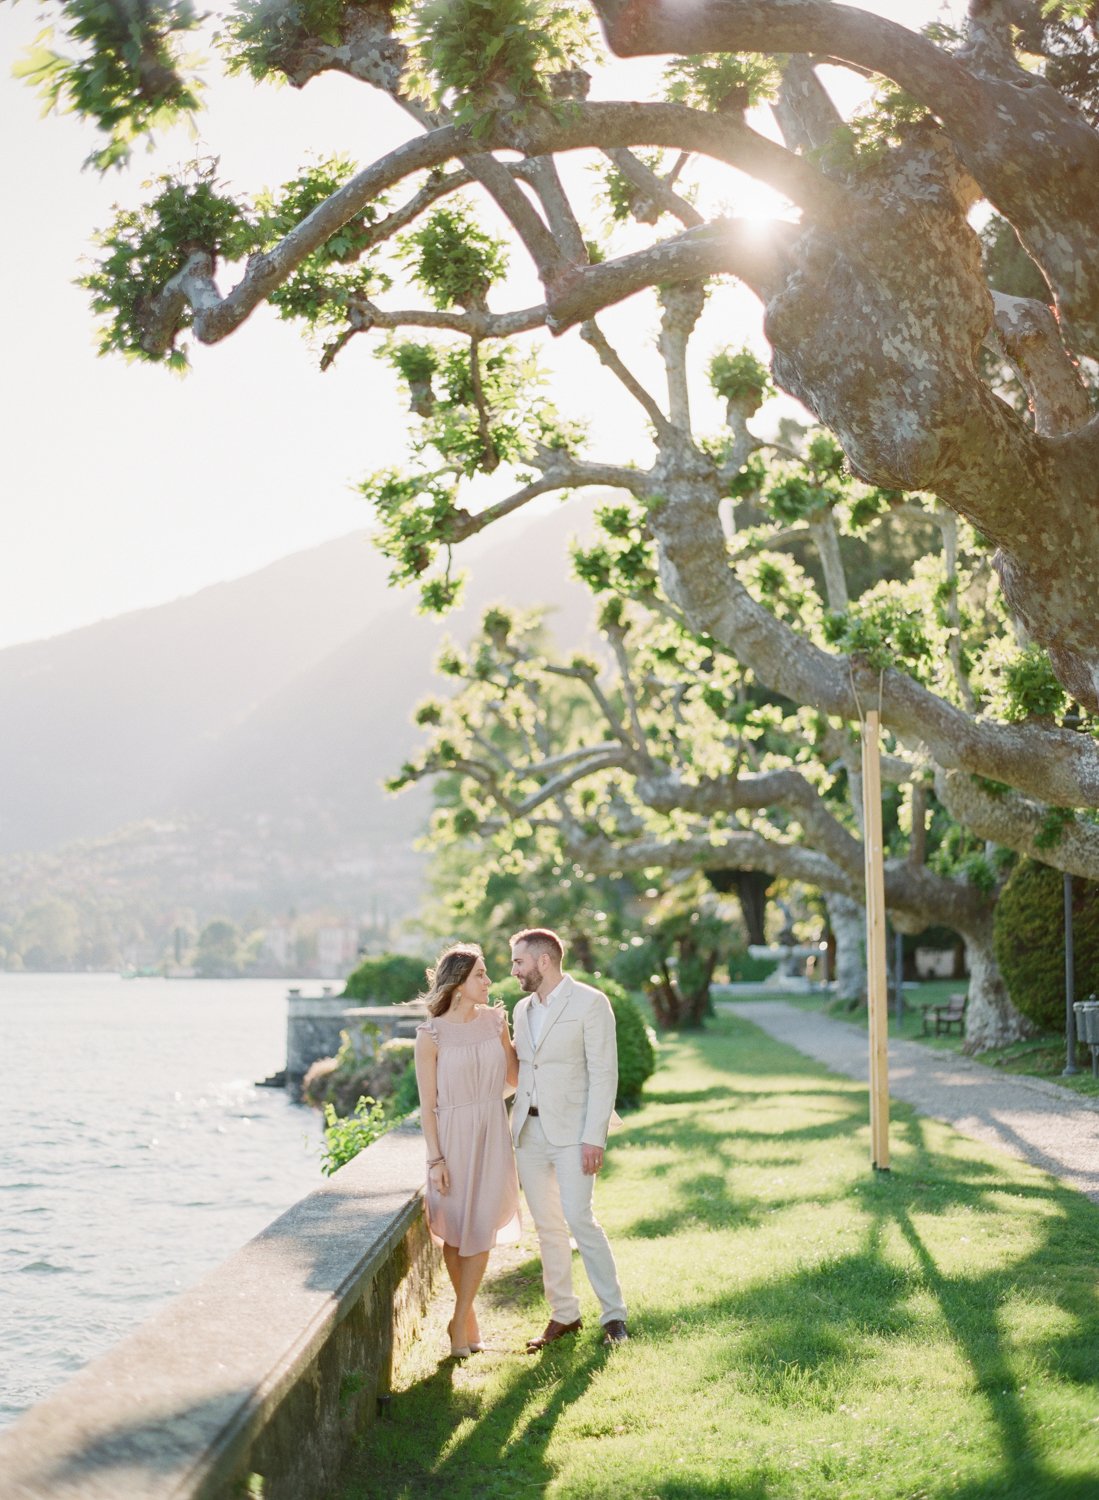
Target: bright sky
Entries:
(124, 486)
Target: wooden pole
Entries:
(877, 987)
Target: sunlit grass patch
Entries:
(801, 1327)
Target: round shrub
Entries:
(636, 1049)
(387, 979)
(1029, 940)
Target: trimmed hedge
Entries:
(636, 1050)
(388, 979)
(1029, 940)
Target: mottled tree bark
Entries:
(847, 918)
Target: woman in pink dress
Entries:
(465, 1064)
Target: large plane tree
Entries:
(930, 294)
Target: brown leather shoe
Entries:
(553, 1332)
(614, 1332)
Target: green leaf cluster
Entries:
(129, 75)
(883, 627)
(618, 193)
(874, 131)
(737, 375)
(345, 1137)
(722, 82)
(261, 36)
(319, 290)
(145, 247)
(452, 258)
(481, 56)
(1031, 688)
(624, 560)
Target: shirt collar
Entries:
(554, 994)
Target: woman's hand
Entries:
(439, 1178)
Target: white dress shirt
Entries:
(536, 1020)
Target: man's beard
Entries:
(528, 983)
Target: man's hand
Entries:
(591, 1159)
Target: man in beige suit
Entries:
(568, 1078)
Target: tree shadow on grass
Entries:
(803, 1337)
(500, 1450)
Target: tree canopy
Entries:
(929, 286)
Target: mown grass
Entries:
(801, 1327)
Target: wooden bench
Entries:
(946, 1015)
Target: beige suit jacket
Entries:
(574, 1066)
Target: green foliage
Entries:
(452, 258)
(484, 55)
(737, 375)
(636, 1040)
(261, 35)
(722, 82)
(1056, 821)
(620, 194)
(128, 76)
(346, 1137)
(1029, 940)
(414, 363)
(320, 289)
(874, 131)
(883, 627)
(218, 951)
(625, 563)
(1033, 691)
(414, 515)
(796, 498)
(744, 969)
(387, 979)
(145, 247)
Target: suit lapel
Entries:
(560, 1005)
(522, 1018)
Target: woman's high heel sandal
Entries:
(457, 1351)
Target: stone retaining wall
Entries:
(255, 1381)
(314, 1023)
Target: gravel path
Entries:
(1026, 1117)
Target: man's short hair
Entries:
(541, 940)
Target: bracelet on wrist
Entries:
(436, 1161)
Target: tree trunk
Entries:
(751, 889)
(991, 1020)
(847, 919)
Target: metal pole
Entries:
(1070, 986)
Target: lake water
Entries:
(136, 1153)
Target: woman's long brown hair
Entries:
(449, 974)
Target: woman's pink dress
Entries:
(482, 1207)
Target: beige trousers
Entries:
(559, 1196)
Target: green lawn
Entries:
(802, 1327)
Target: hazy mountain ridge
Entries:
(224, 753)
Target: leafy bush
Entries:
(387, 979)
(1029, 939)
(345, 1138)
(744, 969)
(636, 1042)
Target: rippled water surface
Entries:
(135, 1154)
